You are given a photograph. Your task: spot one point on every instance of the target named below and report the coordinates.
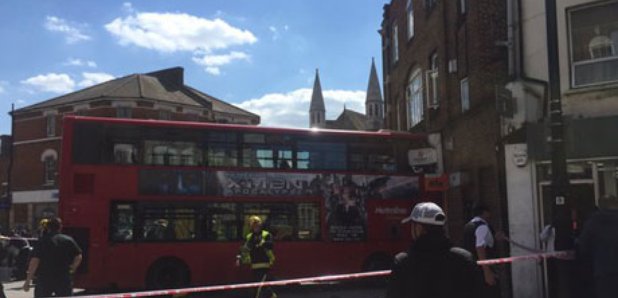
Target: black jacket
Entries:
(433, 268)
(598, 243)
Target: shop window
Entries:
(594, 45)
(608, 180)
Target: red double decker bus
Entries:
(161, 204)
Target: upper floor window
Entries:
(594, 45)
(123, 112)
(395, 43)
(49, 158)
(432, 81)
(430, 4)
(414, 94)
(464, 93)
(410, 9)
(50, 125)
(463, 9)
(165, 115)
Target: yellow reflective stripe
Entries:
(260, 265)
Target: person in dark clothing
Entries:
(54, 259)
(258, 253)
(479, 240)
(432, 267)
(598, 244)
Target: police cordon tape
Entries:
(2, 237)
(287, 282)
(565, 255)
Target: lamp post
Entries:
(561, 204)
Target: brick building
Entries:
(442, 61)
(37, 129)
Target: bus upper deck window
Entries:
(125, 154)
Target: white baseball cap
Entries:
(426, 213)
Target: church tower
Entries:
(317, 112)
(374, 105)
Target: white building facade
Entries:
(588, 60)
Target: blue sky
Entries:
(260, 55)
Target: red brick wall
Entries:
(471, 39)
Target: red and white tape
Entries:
(308, 280)
(296, 281)
(2, 237)
(565, 255)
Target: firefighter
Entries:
(258, 253)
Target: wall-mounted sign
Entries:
(423, 156)
(520, 158)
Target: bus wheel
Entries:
(168, 273)
(377, 261)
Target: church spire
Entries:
(373, 102)
(316, 109)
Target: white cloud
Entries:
(172, 32)
(93, 78)
(79, 62)
(2, 85)
(292, 109)
(71, 32)
(51, 82)
(274, 31)
(211, 63)
(128, 7)
(20, 102)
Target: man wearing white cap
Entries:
(432, 267)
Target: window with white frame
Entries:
(414, 94)
(594, 44)
(123, 112)
(410, 9)
(51, 125)
(464, 93)
(395, 43)
(48, 158)
(432, 82)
